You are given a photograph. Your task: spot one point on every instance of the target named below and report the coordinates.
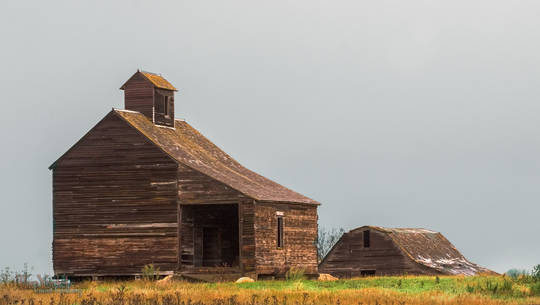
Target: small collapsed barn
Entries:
(144, 188)
(371, 250)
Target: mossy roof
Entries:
(156, 79)
(189, 147)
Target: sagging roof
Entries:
(156, 79)
(189, 147)
(431, 249)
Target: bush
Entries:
(6, 275)
(19, 278)
(294, 274)
(536, 273)
(516, 273)
(535, 289)
(150, 273)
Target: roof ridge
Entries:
(148, 72)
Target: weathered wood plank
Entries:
(114, 204)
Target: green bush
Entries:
(535, 289)
(536, 273)
(516, 273)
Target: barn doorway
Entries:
(211, 252)
(209, 236)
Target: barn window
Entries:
(166, 105)
(280, 231)
(366, 239)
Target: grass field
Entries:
(372, 290)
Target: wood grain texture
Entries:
(299, 237)
(139, 96)
(115, 203)
(349, 257)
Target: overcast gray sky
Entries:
(391, 113)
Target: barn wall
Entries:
(299, 236)
(139, 96)
(349, 257)
(114, 204)
(197, 188)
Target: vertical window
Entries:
(166, 105)
(366, 239)
(280, 231)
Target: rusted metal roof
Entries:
(156, 79)
(431, 249)
(189, 147)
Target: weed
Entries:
(535, 289)
(295, 274)
(150, 273)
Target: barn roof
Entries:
(431, 249)
(156, 79)
(189, 147)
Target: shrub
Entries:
(516, 273)
(535, 289)
(536, 273)
(19, 278)
(507, 287)
(150, 272)
(295, 274)
(6, 275)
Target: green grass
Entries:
(402, 284)
(493, 286)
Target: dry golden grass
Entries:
(273, 293)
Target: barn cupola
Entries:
(152, 95)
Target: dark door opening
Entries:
(211, 247)
(210, 236)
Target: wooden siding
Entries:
(300, 234)
(195, 187)
(247, 238)
(139, 96)
(349, 257)
(114, 204)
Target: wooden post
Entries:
(179, 236)
(240, 236)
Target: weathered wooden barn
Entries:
(144, 188)
(371, 250)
